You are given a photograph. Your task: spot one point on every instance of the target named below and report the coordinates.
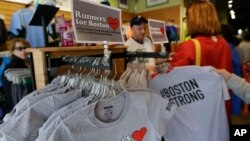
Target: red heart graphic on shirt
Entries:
(139, 135)
(162, 30)
(113, 23)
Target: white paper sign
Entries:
(157, 30)
(95, 23)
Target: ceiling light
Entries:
(232, 12)
(233, 17)
(240, 31)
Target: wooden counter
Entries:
(39, 65)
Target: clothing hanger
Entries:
(11, 74)
(78, 76)
(135, 81)
(142, 79)
(73, 77)
(63, 78)
(84, 81)
(115, 88)
(132, 77)
(95, 90)
(70, 77)
(4, 53)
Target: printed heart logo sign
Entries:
(139, 135)
(162, 30)
(113, 23)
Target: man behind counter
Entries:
(138, 41)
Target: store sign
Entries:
(157, 30)
(96, 23)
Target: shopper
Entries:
(204, 26)
(18, 60)
(238, 85)
(138, 41)
(244, 48)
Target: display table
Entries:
(39, 59)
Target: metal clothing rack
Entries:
(42, 60)
(147, 54)
(128, 56)
(57, 62)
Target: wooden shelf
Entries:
(79, 48)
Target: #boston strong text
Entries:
(183, 93)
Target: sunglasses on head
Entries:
(20, 48)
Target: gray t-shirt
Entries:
(130, 116)
(32, 98)
(199, 93)
(25, 127)
(53, 121)
(55, 85)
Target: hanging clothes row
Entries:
(80, 106)
(128, 56)
(135, 76)
(97, 105)
(21, 84)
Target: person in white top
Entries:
(238, 85)
(244, 48)
(138, 41)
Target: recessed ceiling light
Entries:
(233, 17)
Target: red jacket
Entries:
(213, 53)
(216, 54)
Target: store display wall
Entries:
(141, 5)
(7, 9)
(170, 13)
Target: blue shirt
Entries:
(34, 34)
(235, 60)
(6, 61)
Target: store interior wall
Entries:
(7, 9)
(141, 5)
(222, 10)
(114, 3)
(174, 10)
(170, 14)
(171, 9)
